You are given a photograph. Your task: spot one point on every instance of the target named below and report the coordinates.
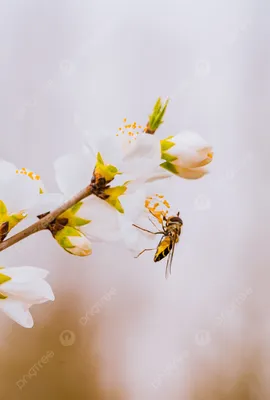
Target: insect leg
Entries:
(146, 230)
(143, 252)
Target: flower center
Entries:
(31, 174)
(130, 130)
(158, 206)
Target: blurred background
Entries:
(71, 67)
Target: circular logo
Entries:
(230, 173)
(203, 338)
(66, 67)
(67, 338)
(203, 68)
(202, 202)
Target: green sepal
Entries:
(77, 221)
(73, 220)
(169, 167)
(106, 171)
(14, 219)
(166, 144)
(62, 236)
(114, 193)
(168, 157)
(156, 118)
(99, 159)
(4, 278)
(74, 209)
(3, 208)
(2, 296)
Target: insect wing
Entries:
(170, 257)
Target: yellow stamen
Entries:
(157, 206)
(130, 129)
(166, 204)
(31, 174)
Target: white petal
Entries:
(143, 157)
(19, 193)
(190, 139)
(82, 246)
(111, 151)
(74, 172)
(133, 205)
(135, 239)
(190, 149)
(17, 311)
(24, 274)
(34, 292)
(7, 170)
(191, 173)
(145, 146)
(46, 202)
(159, 174)
(104, 221)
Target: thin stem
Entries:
(44, 222)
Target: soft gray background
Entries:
(72, 66)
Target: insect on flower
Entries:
(170, 231)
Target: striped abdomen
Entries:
(164, 248)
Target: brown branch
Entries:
(44, 222)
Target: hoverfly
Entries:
(171, 230)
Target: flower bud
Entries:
(8, 221)
(156, 118)
(73, 241)
(185, 154)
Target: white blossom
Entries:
(20, 288)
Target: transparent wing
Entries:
(170, 258)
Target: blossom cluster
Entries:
(120, 172)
